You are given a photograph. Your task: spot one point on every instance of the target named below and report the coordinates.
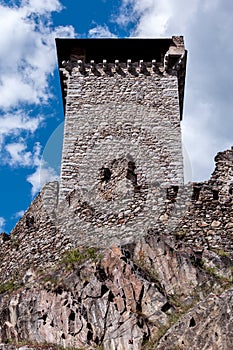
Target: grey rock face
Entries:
(208, 326)
(120, 298)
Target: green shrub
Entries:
(8, 286)
(220, 252)
(180, 234)
(78, 257)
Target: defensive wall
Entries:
(38, 241)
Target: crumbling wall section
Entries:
(36, 240)
(207, 223)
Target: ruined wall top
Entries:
(110, 57)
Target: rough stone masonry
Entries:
(123, 103)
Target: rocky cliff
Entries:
(171, 289)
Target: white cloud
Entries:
(19, 214)
(154, 18)
(18, 155)
(2, 224)
(63, 32)
(27, 51)
(15, 126)
(101, 32)
(41, 7)
(43, 174)
(14, 123)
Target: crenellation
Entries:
(123, 69)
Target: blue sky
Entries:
(30, 98)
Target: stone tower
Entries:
(123, 102)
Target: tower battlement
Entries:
(101, 57)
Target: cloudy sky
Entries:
(31, 112)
